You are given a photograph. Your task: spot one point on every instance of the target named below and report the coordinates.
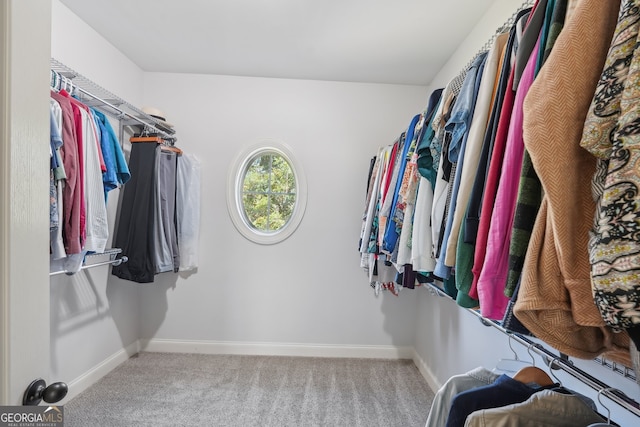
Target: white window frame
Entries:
(235, 182)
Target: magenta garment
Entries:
(71, 192)
(493, 277)
(77, 117)
(491, 185)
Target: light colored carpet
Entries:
(168, 389)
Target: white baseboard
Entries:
(92, 376)
(276, 349)
(426, 372)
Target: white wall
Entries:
(258, 298)
(450, 340)
(80, 47)
(309, 289)
(94, 315)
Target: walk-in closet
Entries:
(340, 213)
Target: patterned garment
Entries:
(612, 134)
(601, 122)
(53, 204)
(448, 98)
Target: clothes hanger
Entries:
(171, 148)
(608, 423)
(510, 365)
(145, 137)
(533, 374)
(54, 79)
(155, 139)
(551, 370)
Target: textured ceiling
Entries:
(377, 41)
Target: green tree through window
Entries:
(268, 192)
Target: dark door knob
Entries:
(38, 391)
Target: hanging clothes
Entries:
(407, 202)
(117, 173)
(422, 258)
(71, 191)
(441, 404)
(555, 300)
(135, 224)
(543, 408)
(611, 135)
(469, 228)
(188, 211)
(493, 276)
(58, 179)
(529, 188)
(96, 228)
(483, 397)
(446, 166)
(503, 391)
(369, 232)
(458, 126)
(395, 217)
(475, 136)
(159, 211)
(166, 254)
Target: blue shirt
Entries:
(120, 166)
(458, 125)
(391, 233)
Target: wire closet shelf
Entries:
(94, 95)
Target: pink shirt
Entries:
(493, 277)
(491, 186)
(77, 117)
(71, 192)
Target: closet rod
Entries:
(506, 25)
(554, 360)
(114, 262)
(136, 116)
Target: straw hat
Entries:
(157, 114)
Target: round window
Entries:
(266, 193)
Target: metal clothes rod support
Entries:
(554, 360)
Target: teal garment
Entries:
(450, 286)
(426, 165)
(464, 276)
(544, 33)
(425, 159)
(120, 163)
(556, 25)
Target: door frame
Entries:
(25, 41)
(4, 199)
